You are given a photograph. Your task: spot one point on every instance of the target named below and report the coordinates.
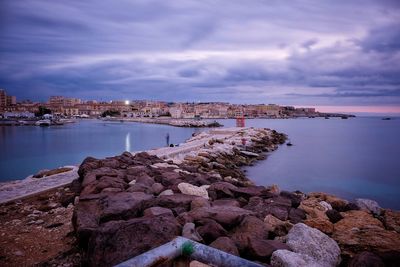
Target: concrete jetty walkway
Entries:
(225, 139)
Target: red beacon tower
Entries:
(240, 122)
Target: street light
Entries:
(126, 102)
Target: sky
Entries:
(333, 54)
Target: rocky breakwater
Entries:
(130, 204)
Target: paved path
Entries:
(30, 186)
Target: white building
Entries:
(175, 112)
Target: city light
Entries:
(126, 102)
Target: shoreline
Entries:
(192, 123)
(200, 184)
(177, 122)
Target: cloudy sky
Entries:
(314, 53)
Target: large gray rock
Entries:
(309, 241)
(189, 189)
(286, 258)
(369, 205)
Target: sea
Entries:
(353, 158)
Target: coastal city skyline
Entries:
(299, 54)
(27, 104)
(66, 106)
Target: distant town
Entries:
(73, 107)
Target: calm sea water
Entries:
(26, 149)
(352, 158)
(358, 157)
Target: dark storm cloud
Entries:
(383, 39)
(302, 52)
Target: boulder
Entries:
(157, 188)
(366, 259)
(250, 228)
(225, 244)
(123, 205)
(369, 205)
(323, 225)
(226, 202)
(316, 214)
(308, 241)
(118, 241)
(227, 216)
(136, 187)
(336, 202)
(276, 226)
(359, 230)
(333, 215)
(313, 208)
(136, 170)
(262, 250)
(111, 190)
(247, 192)
(93, 175)
(277, 206)
(173, 201)
(169, 178)
(391, 220)
(167, 192)
(111, 162)
(326, 205)
(87, 165)
(145, 179)
(110, 182)
(210, 230)
(193, 190)
(85, 219)
(156, 211)
(349, 206)
(199, 202)
(296, 215)
(221, 190)
(286, 258)
(357, 219)
(189, 231)
(294, 197)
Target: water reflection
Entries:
(128, 142)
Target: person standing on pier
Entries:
(167, 139)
